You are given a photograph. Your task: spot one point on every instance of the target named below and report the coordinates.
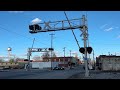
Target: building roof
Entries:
(56, 57)
(108, 56)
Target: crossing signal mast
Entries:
(62, 25)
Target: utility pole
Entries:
(89, 60)
(64, 55)
(51, 47)
(85, 37)
(28, 55)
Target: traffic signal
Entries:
(34, 28)
(89, 50)
(25, 59)
(51, 49)
(40, 49)
(37, 27)
(31, 27)
(82, 50)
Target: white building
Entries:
(111, 62)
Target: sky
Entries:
(103, 29)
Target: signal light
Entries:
(34, 28)
(82, 50)
(31, 27)
(37, 27)
(51, 49)
(89, 50)
(25, 59)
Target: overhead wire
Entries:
(20, 35)
(72, 29)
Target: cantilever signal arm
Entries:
(55, 26)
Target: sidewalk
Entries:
(97, 75)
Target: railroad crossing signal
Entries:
(40, 49)
(81, 24)
(89, 50)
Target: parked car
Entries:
(58, 68)
(1, 67)
(4, 67)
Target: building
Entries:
(108, 63)
(52, 62)
(63, 61)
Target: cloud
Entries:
(15, 11)
(109, 29)
(35, 21)
(103, 26)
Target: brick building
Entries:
(63, 61)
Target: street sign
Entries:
(85, 58)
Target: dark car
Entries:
(58, 68)
(61, 68)
(55, 68)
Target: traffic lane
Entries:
(54, 74)
(59, 74)
(39, 74)
(18, 73)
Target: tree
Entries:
(46, 54)
(1, 60)
(54, 55)
(11, 60)
(36, 57)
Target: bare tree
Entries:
(54, 55)
(36, 57)
(46, 55)
(11, 60)
(1, 60)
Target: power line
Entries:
(72, 29)
(20, 35)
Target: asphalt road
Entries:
(40, 74)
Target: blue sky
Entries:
(103, 28)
